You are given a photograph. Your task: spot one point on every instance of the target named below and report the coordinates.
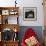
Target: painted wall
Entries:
(38, 5)
(26, 3)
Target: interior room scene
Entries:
(22, 23)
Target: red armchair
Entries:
(29, 36)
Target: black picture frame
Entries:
(30, 13)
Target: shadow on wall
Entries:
(37, 29)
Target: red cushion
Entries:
(29, 33)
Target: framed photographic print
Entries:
(13, 12)
(30, 13)
(5, 12)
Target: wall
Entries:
(27, 3)
(6, 3)
(38, 5)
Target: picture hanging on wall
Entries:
(30, 13)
